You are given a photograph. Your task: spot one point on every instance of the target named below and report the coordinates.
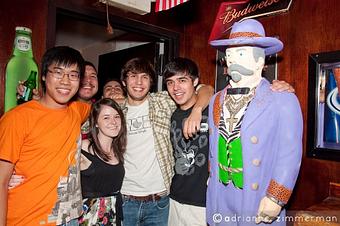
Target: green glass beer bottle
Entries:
(19, 66)
(29, 85)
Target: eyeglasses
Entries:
(59, 74)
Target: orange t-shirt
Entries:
(42, 143)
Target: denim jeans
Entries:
(143, 213)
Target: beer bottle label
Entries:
(23, 43)
(26, 93)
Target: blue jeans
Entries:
(142, 213)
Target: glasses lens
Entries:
(74, 76)
(59, 74)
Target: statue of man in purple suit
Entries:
(255, 138)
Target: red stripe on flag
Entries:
(157, 6)
(167, 4)
(164, 5)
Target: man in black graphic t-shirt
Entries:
(189, 184)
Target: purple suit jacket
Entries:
(271, 137)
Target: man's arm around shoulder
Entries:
(193, 122)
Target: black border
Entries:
(314, 62)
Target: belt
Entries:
(147, 198)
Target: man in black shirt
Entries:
(189, 184)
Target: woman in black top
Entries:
(102, 168)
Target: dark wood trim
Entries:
(170, 38)
(51, 25)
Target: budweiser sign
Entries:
(232, 11)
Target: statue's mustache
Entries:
(236, 70)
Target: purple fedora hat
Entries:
(249, 32)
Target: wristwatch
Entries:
(275, 200)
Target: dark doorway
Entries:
(82, 21)
(110, 64)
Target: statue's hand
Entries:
(268, 211)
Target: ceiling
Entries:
(81, 34)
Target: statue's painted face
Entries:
(245, 63)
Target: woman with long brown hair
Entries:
(102, 169)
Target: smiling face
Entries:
(112, 88)
(59, 91)
(89, 84)
(181, 88)
(108, 122)
(138, 86)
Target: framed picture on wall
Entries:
(323, 135)
(269, 71)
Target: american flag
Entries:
(167, 4)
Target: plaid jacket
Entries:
(161, 107)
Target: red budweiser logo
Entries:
(233, 11)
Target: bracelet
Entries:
(275, 200)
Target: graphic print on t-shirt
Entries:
(138, 125)
(69, 202)
(186, 152)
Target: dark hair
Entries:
(118, 142)
(61, 55)
(138, 65)
(180, 65)
(88, 63)
(115, 80)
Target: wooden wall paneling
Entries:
(196, 38)
(26, 13)
(304, 30)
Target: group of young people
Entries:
(141, 160)
(40, 141)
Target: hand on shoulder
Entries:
(85, 145)
(280, 86)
